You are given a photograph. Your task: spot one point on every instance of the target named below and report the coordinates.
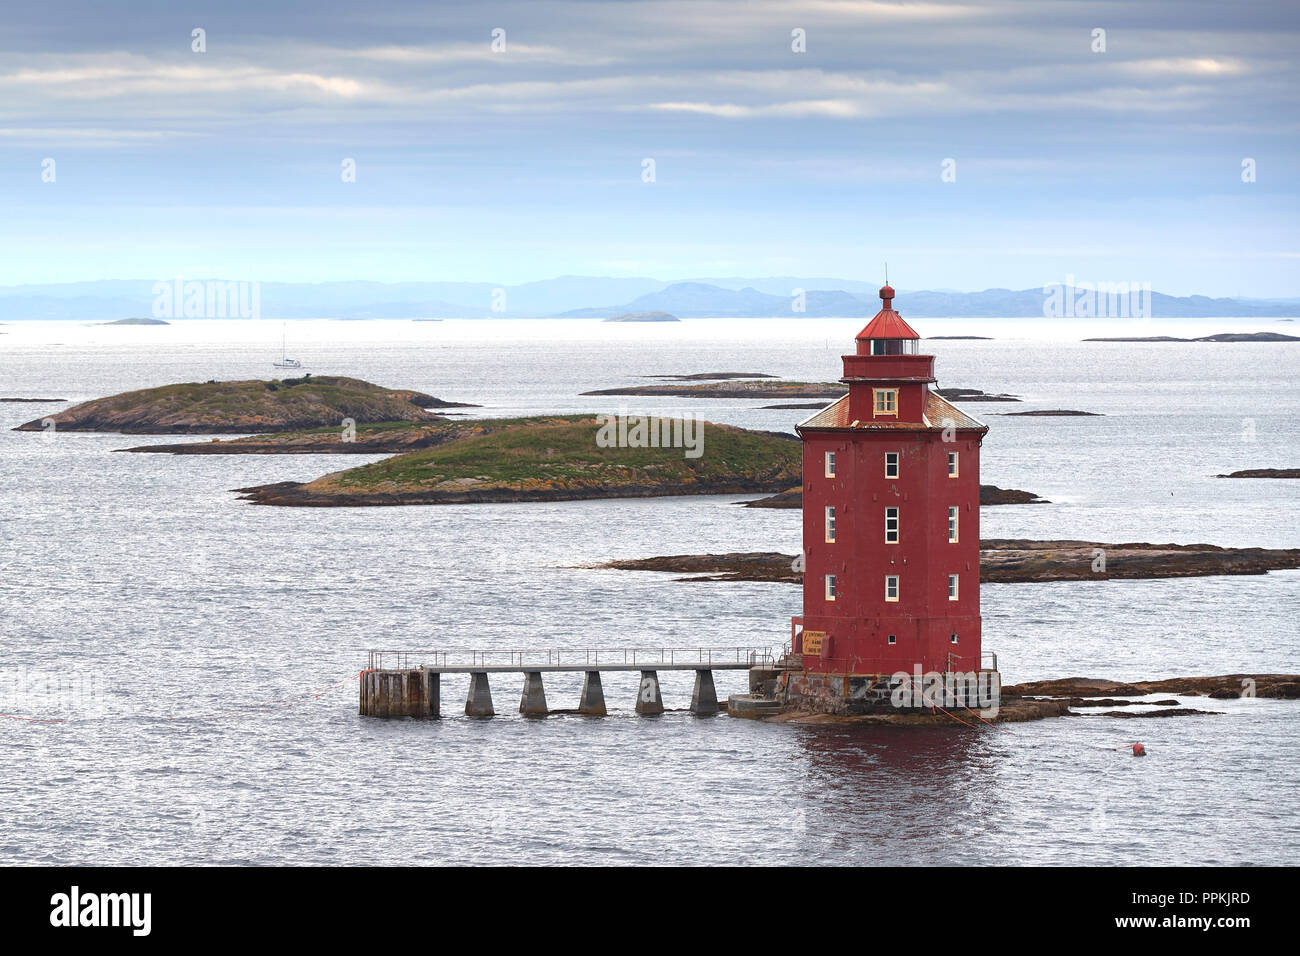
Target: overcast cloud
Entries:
(528, 163)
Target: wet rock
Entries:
(1264, 473)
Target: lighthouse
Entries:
(890, 527)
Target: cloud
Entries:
(836, 108)
(98, 82)
(475, 53)
(1185, 65)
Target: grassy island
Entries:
(555, 458)
(247, 406)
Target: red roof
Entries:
(887, 324)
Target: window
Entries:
(830, 464)
(830, 524)
(891, 464)
(891, 587)
(830, 587)
(886, 400)
(952, 587)
(893, 638)
(953, 639)
(952, 464)
(891, 526)
(952, 525)
(893, 346)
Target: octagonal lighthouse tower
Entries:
(890, 523)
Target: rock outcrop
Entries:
(246, 406)
(1007, 561)
(1264, 473)
(989, 495)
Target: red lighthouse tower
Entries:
(890, 522)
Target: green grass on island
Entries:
(562, 453)
(245, 406)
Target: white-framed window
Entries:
(891, 587)
(952, 587)
(952, 525)
(830, 464)
(953, 639)
(893, 638)
(830, 524)
(891, 464)
(830, 587)
(952, 464)
(891, 526)
(885, 400)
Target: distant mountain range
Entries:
(699, 300)
(581, 297)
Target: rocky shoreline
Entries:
(301, 495)
(380, 438)
(1039, 700)
(989, 495)
(732, 389)
(1264, 473)
(759, 385)
(1222, 687)
(1052, 412)
(1005, 561)
(1217, 337)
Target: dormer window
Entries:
(885, 401)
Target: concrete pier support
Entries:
(479, 701)
(432, 693)
(649, 702)
(762, 680)
(397, 693)
(533, 702)
(704, 698)
(592, 702)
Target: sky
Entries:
(968, 144)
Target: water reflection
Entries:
(899, 795)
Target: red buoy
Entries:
(1139, 750)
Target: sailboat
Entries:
(285, 361)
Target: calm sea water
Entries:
(143, 603)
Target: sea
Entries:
(178, 668)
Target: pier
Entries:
(409, 683)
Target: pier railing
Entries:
(574, 658)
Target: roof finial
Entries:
(886, 273)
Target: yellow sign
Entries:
(812, 641)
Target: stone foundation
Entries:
(858, 694)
